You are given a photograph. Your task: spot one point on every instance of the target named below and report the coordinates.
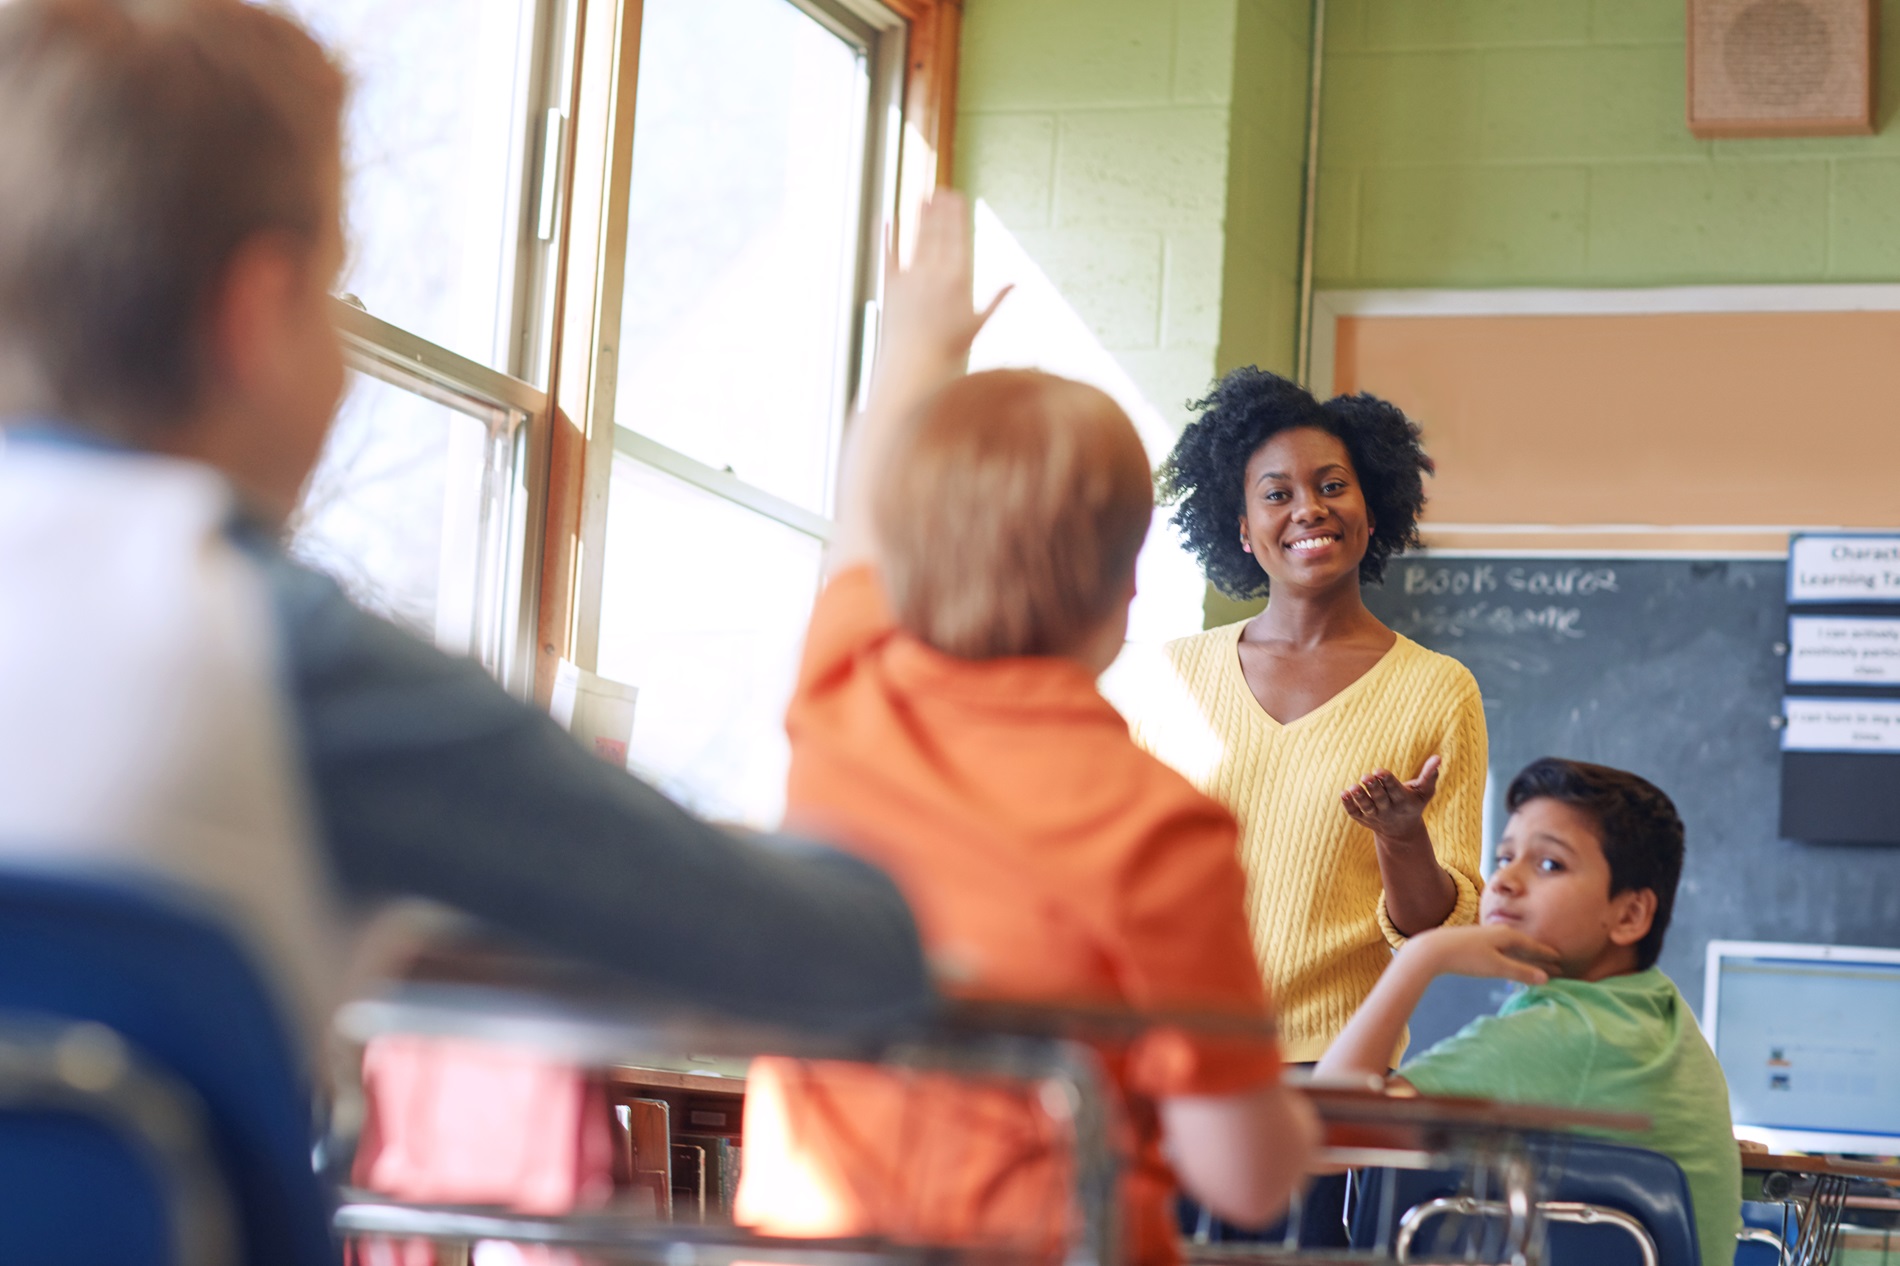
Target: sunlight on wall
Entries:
(1036, 328)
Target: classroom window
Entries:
(424, 503)
(762, 180)
(419, 507)
(723, 618)
(438, 138)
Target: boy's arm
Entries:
(427, 780)
(1241, 1155)
(924, 342)
(1364, 1048)
(1239, 1139)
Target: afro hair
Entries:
(1204, 477)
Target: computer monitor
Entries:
(1809, 1039)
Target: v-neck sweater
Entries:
(1314, 895)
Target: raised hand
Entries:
(1390, 808)
(924, 342)
(928, 322)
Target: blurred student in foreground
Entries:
(946, 724)
(1576, 908)
(178, 699)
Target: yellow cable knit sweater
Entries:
(1314, 893)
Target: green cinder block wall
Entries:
(1489, 143)
(1265, 171)
(1146, 154)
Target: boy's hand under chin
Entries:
(1487, 950)
(1494, 950)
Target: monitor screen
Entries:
(1809, 1039)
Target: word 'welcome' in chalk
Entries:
(1559, 623)
(1841, 725)
(1844, 569)
(1833, 650)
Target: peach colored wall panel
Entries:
(1674, 419)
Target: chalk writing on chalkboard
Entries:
(1507, 578)
(1506, 594)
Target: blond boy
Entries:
(947, 725)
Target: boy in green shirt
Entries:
(1576, 909)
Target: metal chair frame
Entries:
(1813, 1216)
(1546, 1211)
(1506, 1157)
(50, 1063)
(1762, 1235)
(1818, 1224)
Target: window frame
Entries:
(509, 568)
(881, 37)
(540, 179)
(909, 157)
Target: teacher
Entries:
(1353, 757)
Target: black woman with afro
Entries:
(1353, 757)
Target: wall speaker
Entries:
(1781, 67)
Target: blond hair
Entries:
(141, 143)
(1008, 515)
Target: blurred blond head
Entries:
(1008, 515)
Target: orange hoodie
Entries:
(1048, 859)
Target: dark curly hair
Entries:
(1204, 477)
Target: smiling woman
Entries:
(1353, 757)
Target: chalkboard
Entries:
(1669, 668)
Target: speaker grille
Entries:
(1780, 67)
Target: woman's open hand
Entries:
(1392, 809)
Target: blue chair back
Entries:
(1645, 1185)
(155, 968)
(1772, 1217)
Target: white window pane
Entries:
(703, 608)
(395, 511)
(743, 240)
(432, 139)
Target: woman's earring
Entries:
(1246, 545)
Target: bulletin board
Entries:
(1723, 416)
(1619, 477)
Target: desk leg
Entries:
(1388, 1193)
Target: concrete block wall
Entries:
(1146, 157)
(1101, 134)
(1478, 143)
(1265, 175)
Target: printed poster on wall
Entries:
(1844, 568)
(1841, 725)
(1843, 651)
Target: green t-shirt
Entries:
(1626, 1044)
